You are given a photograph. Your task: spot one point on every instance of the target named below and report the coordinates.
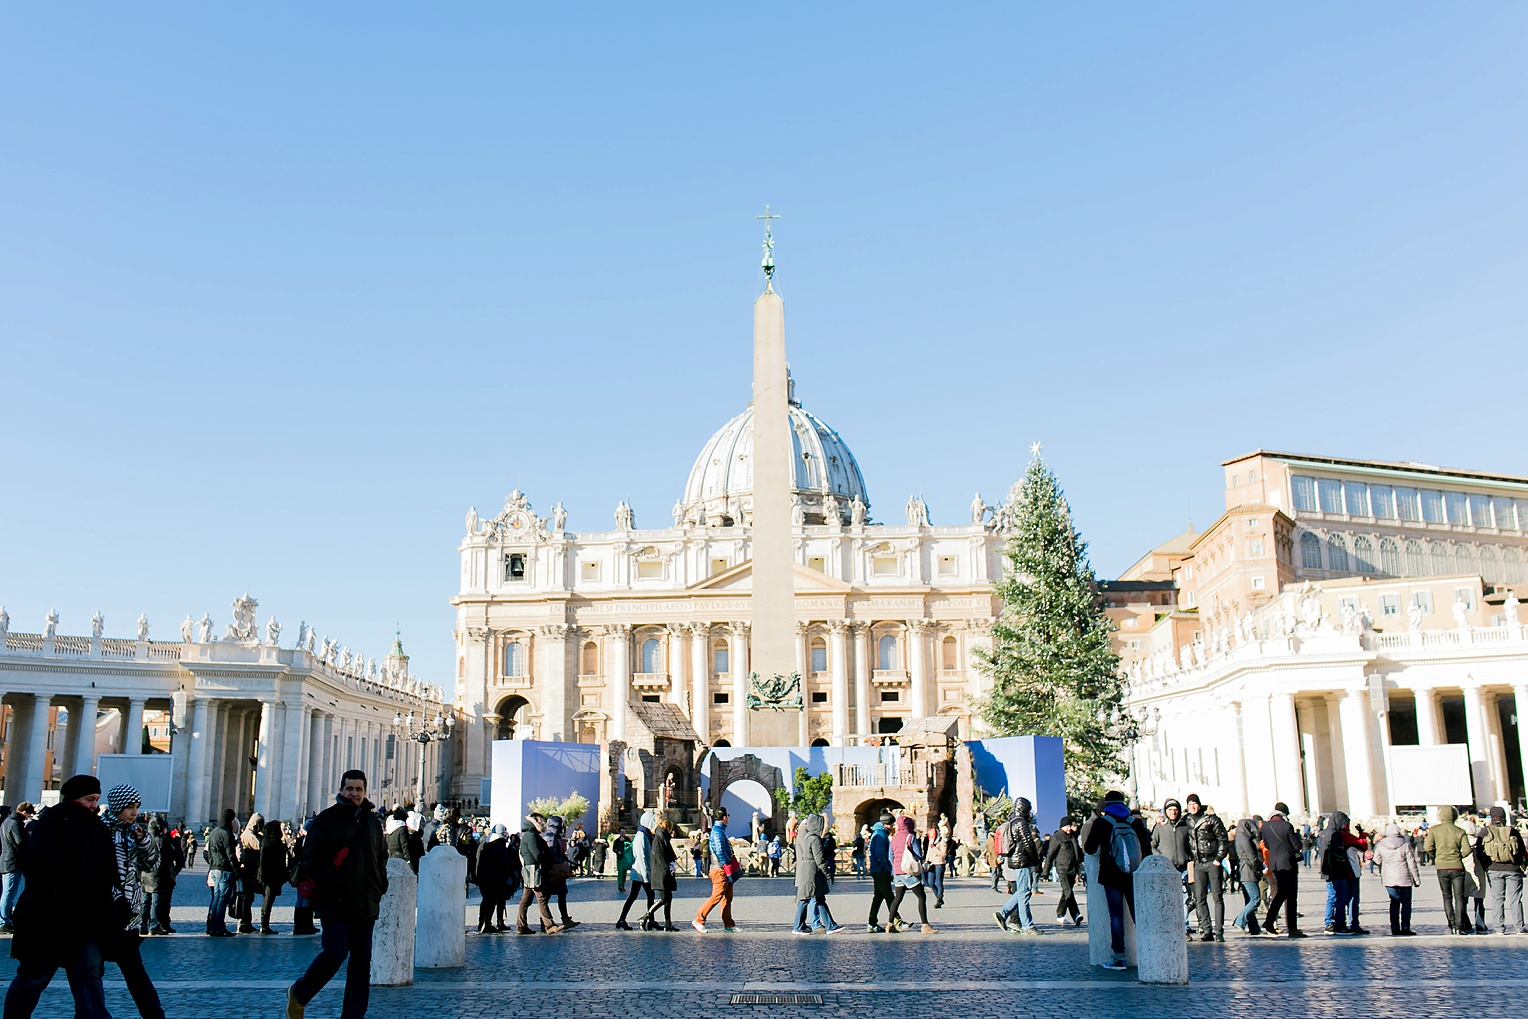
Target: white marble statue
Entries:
(371, 669)
(1509, 607)
(324, 650)
(678, 512)
(5, 626)
(917, 512)
(1414, 617)
(97, 625)
(625, 519)
(187, 629)
(798, 512)
(978, 510)
(559, 517)
(832, 513)
(272, 631)
(302, 634)
(143, 626)
(312, 637)
(52, 626)
(244, 628)
(857, 510)
(1349, 617)
(472, 521)
(206, 627)
(1461, 613)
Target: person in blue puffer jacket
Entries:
(880, 869)
(721, 882)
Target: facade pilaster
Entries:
(838, 664)
(619, 636)
(560, 691)
(861, 678)
(679, 665)
(737, 660)
(473, 732)
(917, 666)
(803, 730)
(700, 688)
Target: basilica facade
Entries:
(558, 634)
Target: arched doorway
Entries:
(741, 798)
(722, 743)
(820, 742)
(513, 713)
(869, 812)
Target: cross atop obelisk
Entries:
(769, 248)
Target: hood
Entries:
(1393, 838)
(812, 825)
(649, 822)
(497, 835)
(554, 825)
(905, 824)
(1336, 824)
(532, 825)
(1468, 826)
(392, 825)
(878, 829)
(1246, 827)
(1117, 810)
(415, 820)
(1447, 814)
(1022, 808)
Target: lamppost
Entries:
(427, 732)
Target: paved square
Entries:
(969, 968)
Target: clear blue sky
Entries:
(284, 289)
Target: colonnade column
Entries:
(37, 749)
(132, 727)
(1478, 732)
(917, 666)
(1358, 751)
(198, 766)
(679, 665)
(263, 758)
(1286, 753)
(84, 761)
(325, 775)
(1520, 692)
(216, 735)
(838, 663)
(620, 679)
(737, 659)
(862, 678)
(700, 685)
(1427, 716)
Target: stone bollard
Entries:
(1100, 944)
(440, 941)
(392, 952)
(1162, 948)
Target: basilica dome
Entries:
(825, 476)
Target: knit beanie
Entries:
(1498, 815)
(120, 797)
(1281, 808)
(80, 786)
(1193, 798)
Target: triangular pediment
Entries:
(739, 580)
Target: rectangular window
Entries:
(890, 696)
(650, 569)
(1521, 505)
(1356, 495)
(883, 566)
(1466, 595)
(719, 659)
(721, 698)
(1406, 504)
(1329, 494)
(718, 566)
(514, 566)
(1382, 501)
(589, 573)
(1257, 583)
(1480, 511)
(1423, 601)
(819, 697)
(1346, 604)
(1458, 507)
(651, 698)
(948, 566)
(819, 659)
(1390, 604)
(1501, 509)
(1254, 546)
(1303, 492)
(816, 562)
(1432, 506)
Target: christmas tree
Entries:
(1054, 671)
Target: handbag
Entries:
(559, 871)
(909, 864)
(732, 871)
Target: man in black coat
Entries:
(222, 874)
(68, 905)
(1066, 858)
(1285, 848)
(344, 873)
(13, 836)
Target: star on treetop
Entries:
(1034, 449)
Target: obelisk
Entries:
(773, 651)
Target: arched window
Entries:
(818, 655)
(1439, 555)
(514, 659)
(1490, 570)
(1513, 566)
(652, 655)
(589, 659)
(719, 657)
(820, 742)
(886, 653)
(1363, 555)
(949, 655)
(1336, 553)
(1416, 562)
(1389, 557)
(1464, 559)
(1310, 551)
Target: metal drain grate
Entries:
(777, 999)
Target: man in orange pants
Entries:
(724, 871)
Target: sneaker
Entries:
(568, 925)
(929, 930)
(1295, 935)
(1002, 921)
(730, 930)
(1077, 921)
(1117, 964)
(1032, 932)
(874, 928)
(896, 926)
(802, 934)
(837, 930)
(1357, 931)
(1334, 928)
(294, 1008)
(698, 926)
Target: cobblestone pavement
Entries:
(970, 966)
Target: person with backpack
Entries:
(1340, 865)
(159, 883)
(1249, 865)
(879, 850)
(533, 857)
(222, 874)
(1400, 873)
(1022, 839)
(1502, 847)
(1208, 846)
(1284, 848)
(1119, 840)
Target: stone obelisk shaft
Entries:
(774, 591)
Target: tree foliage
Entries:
(1054, 671)
(571, 809)
(812, 796)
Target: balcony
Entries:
(650, 681)
(513, 682)
(873, 776)
(889, 677)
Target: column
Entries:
(737, 660)
(1340, 797)
(263, 751)
(216, 735)
(132, 727)
(285, 802)
(323, 759)
(17, 751)
(803, 731)
(559, 695)
(238, 778)
(1478, 732)
(1238, 761)
(620, 677)
(195, 808)
(700, 685)
(917, 667)
(71, 752)
(838, 663)
(1358, 752)
(1286, 753)
(679, 665)
(1496, 750)
(37, 748)
(1427, 716)
(84, 761)
(862, 678)
(1520, 692)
